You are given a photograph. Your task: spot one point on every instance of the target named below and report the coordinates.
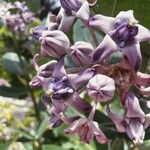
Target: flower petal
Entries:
(76, 124)
(133, 53)
(68, 120)
(66, 23)
(54, 121)
(84, 12)
(35, 82)
(143, 34)
(147, 120)
(116, 119)
(82, 78)
(78, 103)
(133, 107)
(59, 70)
(104, 50)
(135, 131)
(103, 23)
(142, 79)
(145, 91)
(100, 137)
(126, 15)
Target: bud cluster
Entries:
(92, 74)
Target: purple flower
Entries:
(37, 31)
(87, 129)
(61, 86)
(43, 71)
(134, 122)
(18, 20)
(124, 20)
(58, 85)
(51, 25)
(101, 88)
(94, 77)
(123, 33)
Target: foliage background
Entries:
(16, 52)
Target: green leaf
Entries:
(113, 7)
(116, 57)
(5, 146)
(69, 62)
(147, 133)
(28, 146)
(82, 33)
(101, 117)
(14, 92)
(101, 146)
(116, 106)
(72, 112)
(117, 144)
(34, 5)
(52, 147)
(42, 126)
(13, 63)
(25, 133)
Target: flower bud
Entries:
(70, 6)
(37, 31)
(54, 43)
(81, 53)
(101, 88)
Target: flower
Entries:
(87, 129)
(37, 31)
(134, 122)
(43, 71)
(18, 19)
(122, 33)
(61, 84)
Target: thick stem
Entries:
(35, 104)
(25, 81)
(92, 113)
(93, 33)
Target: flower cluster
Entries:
(93, 73)
(16, 15)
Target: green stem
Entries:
(93, 33)
(35, 105)
(25, 81)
